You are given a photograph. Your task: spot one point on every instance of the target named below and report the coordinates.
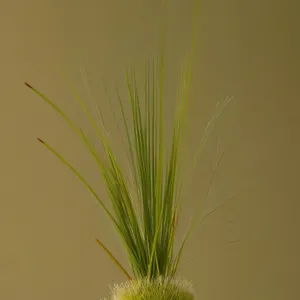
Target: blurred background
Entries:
(249, 50)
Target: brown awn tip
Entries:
(27, 84)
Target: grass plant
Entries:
(144, 214)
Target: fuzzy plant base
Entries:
(153, 290)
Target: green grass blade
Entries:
(81, 178)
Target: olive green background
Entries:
(248, 249)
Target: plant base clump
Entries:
(158, 289)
